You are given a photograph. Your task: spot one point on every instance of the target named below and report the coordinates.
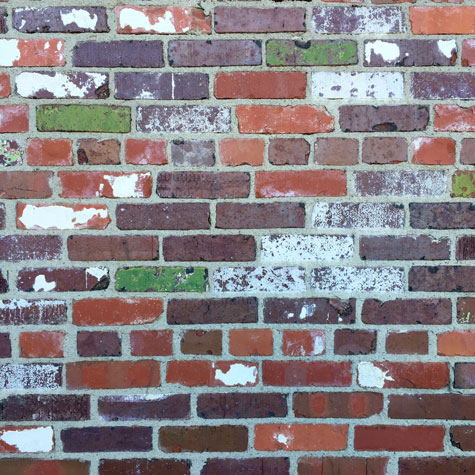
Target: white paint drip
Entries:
(388, 50)
(446, 47)
(97, 272)
(10, 52)
(42, 285)
(37, 439)
(137, 20)
(82, 18)
(237, 375)
(370, 376)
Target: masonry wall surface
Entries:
(236, 237)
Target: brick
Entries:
(146, 152)
(407, 312)
(288, 151)
(442, 215)
(161, 86)
(55, 85)
(116, 311)
(244, 342)
(404, 248)
(26, 185)
(35, 52)
(163, 216)
(98, 152)
(309, 311)
(118, 54)
(354, 342)
(233, 152)
(311, 52)
(336, 151)
(5, 345)
(468, 52)
(275, 465)
(45, 344)
(456, 343)
(3, 20)
(149, 407)
(241, 405)
(442, 21)
(23, 247)
(27, 439)
(453, 118)
(5, 88)
(433, 151)
(358, 20)
(464, 376)
(462, 437)
(226, 438)
(3, 283)
(2, 216)
(465, 310)
(49, 152)
(309, 437)
(192, 153)
(112, 374)
(306, 373)
(403, 375)
(209, 311)
(194, 119)
(465, 248)
(436, 465)
(302, 119)
(13, 119)
(162, 279)
(94, 344)
(60, 20)
(162, 20)
(40, 376)
(260, 85)
(107, 439)
(300, 183)
(144, 466)
(201, 342)
(407, 118)
(441, 279)
(151, 343)
(407, 343)
(463, 184)
(370, 465)
(467, 153)
(214, 53)
(303, 342)
(260, 215)
(32, 312)
(210, 373)
(203, 185)
(384, 150)
(11, 153)
(340, 405)
(258, 20)
(399, 438)
(410, 53)
(431, 406)
(443, 85)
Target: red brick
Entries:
(44, 52)
(343, 465)
(437, 465)
(456, 343)
(407, 343)
(354, 342)
(23, 466)
(384, 150)
(258, 342)
(433, 151)
(46, 344)
(14, 119)
(442, 21)
(468, 52)
(98, 152)
(201, 342)
(336, 151)
(146, 152)
(151, 343)
(288, 151)
(5, 88)
(303, 342)
(144, 466)
(25, 185)
(49, 152)
(453, 118)
(234, 152)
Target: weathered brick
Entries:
(354, 342)
(22, 247)
(462, 437)
(192, 153)
(275, 465)
(303, 342)
(407, 343)
(465, 310)
(146, 152)
(464, 375)
(441, 279)
(468, 52)
(288, 151)
(36, 52)
(233, 152)
(384, 150)
(467, 153)
(144, 466)
(201, 342)
(40, 376)
(443, 85)
(436, 465)
(258, 342)
(5, 88)
(11, 153)
(25, 185)
(429, 20)
(94, 344)
(454, 118)
(14, 119)
(27, 439)
(3, 282)
(433, 151)
(98, 152)
(49, 152)
(44, 344)
(151, 343)
(370, 465)
(442, 215)
(32, 312)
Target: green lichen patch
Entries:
(11, 153)
(162, 279)
(463, 184)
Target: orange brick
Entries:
(234, 152)
(14, 119)
(41, 344)
(49, 152)
(146, 152)
(303, 342)
(468, 52)
(442, 20)
(458, 343)
(433, 151)
(251, 342)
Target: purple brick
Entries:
(443, 85)
(92, 344)
(3, 20)
(193, 153)
(22, 247)
(5, 346)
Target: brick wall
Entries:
(236, 238)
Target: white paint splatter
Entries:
(42, 285)
(370, 376)
(318, 344)
(282, 439)
(388, 50)
(307, 311)
(36, 439)
(237, 375)
(10, 52)
(137, 20)
(446, 47)
(29, 376)
(82, 18)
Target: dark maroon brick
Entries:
(255, 466)
(354, 342)
(209, 248)
(288, 151)
(52, 20)
(407, 343)
(201, 342)
(407, 312)
(343, 465)
(309, 310)
(98, 152)
(5, 345)
(3, 20)
(442, 279)
(45, 407)
(465, 247)
(32, 312)
(432, 406)
(161, 86)
(144, 467)
(241, 406)
(193, 153)
(3, 282)
(38, 466)
(66, 280)
(182, 216)
(411, 53)
(442, 215)
(384, 150)
(383, 118)
(260, 216)
(118, 54)
(25, 247)
(197, 311)
(98, 344)
(203, 185)
(214, 53)
(464, 375)
(2, 216)
(107, 439)
(258, 20)
(466, 311)
(133, 408)
(437, 465)
(463, 437)
(443, 85)
(404, 248)
(467, 153)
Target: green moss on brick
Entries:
(81, 118)
(162, 279)
(463, 185)
(311, 53)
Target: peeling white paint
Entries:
(446, 47)
(237, 375)
(82, 18)
(29, 376)
(97, 272)
(36, 439)
(42, 285)
(370, 376)
(10, 52)
(138, 20)
(318, 344)
(388, 50)
(126, 186)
